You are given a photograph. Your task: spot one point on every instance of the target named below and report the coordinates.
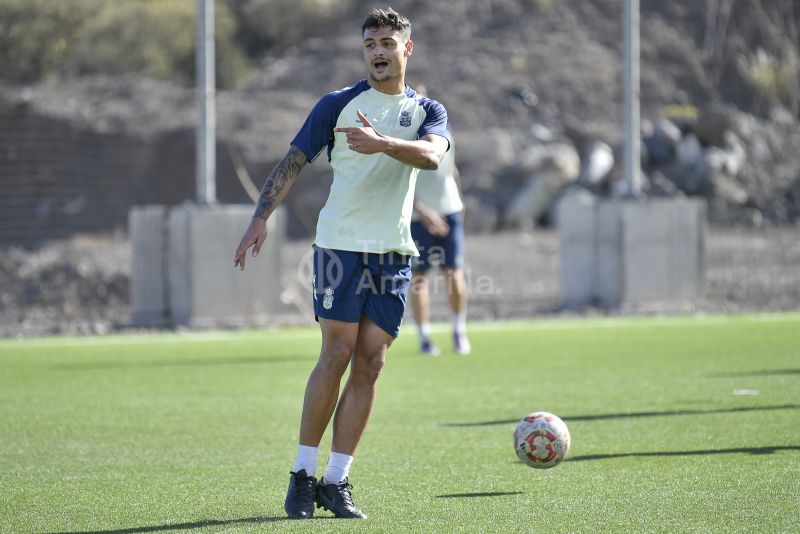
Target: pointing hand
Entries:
(364, 140)
(364, 120)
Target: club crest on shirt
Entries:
(405, 118)
(327, 302)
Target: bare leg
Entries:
(420, 298)
(456, 289)
(338, 343)
(420, 304)
(358, 397)
(457, 297)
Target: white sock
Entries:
(306, 459)
(460, 322)
(424, 330)
(338, 468)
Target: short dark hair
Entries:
(379, 18)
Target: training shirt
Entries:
(371, 199)
(438, 189)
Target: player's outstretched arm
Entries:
(424, 153)
(278, 183)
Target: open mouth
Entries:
(380, 64)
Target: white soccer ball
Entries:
(541, 440)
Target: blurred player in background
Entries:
(438, 231)
(377, 133)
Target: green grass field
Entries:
(678, 424)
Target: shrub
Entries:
(776, 79)
(36, 35)
(267, 23)
(155, 38)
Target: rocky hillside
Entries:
(719, 94)
(533, 88)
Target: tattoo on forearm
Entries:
(430, 162)
(279, 181)
(427, 163)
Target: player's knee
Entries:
(335, 357)
(419, 284)
(454, 278)
(367, 369)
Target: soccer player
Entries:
(439, 235)
(378, 134)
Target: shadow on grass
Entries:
(187, 362)
(743, 450)
(485, 494)
(601, 417)
(767, 372)
(187, 526)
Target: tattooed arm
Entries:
(278, 183)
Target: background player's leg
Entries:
(420, 305)
(457, 297)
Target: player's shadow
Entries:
(183, 362)
(187, 526)
(742, 450)
(479, 494)
(668, 413)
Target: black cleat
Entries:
(337, 498)
(300, 496)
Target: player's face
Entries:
(385, 53)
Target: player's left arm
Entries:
(434, 223)
(424, 153)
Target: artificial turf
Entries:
(678, 424)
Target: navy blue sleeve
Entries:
(435, 119)
(317, 131)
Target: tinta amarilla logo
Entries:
(405, 118)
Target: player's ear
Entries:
(409, 47)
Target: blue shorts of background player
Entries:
(350, 284)
(446, 251)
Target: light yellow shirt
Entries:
(438, 189)
(371, 199)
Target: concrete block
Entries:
(205, 289)
(179, 269)
(643, 251)
(646, 242)
(607, 270)
(147, 228)
(687, 267)
(200, 286)
(577, 236)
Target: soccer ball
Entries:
(541, 440)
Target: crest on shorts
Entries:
(405, 118)
(327, 302)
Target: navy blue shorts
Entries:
(350, 284)
(447, 251)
